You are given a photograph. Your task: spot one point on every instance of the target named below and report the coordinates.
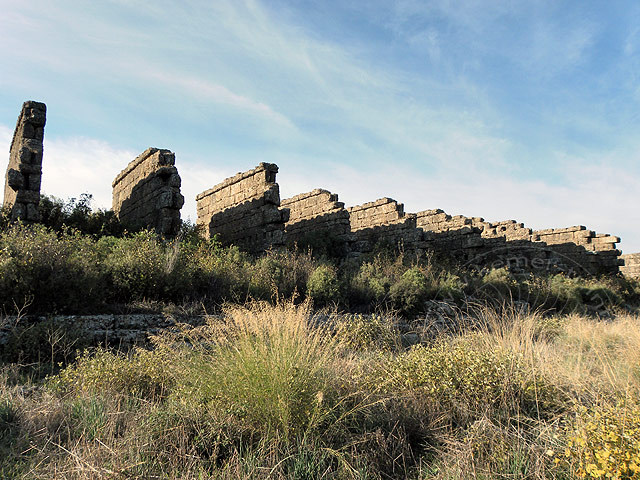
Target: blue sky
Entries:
(500, 109)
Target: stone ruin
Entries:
(315, 213)
(146, 194)
(24, 173)
(245, 210)
(630, 265)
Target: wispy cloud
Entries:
(451, 104)
(205, 90)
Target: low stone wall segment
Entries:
(316, 212)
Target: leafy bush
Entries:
(367, 332)
(77, 214)
(411, 290)
(141, 374)
(143, 267)
(462, 379)
(280, 274)
(323, 286)
(48, 271)
(604, 442)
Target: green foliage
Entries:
(367, 332)
(88, 417)
(51, 272)
(411, 290)
(462, 379)
(280, 274)
(77, 214)
(323, 286)
(141, 267)
(140, 374)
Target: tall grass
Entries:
(276, 391)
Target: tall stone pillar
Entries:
(24, 173)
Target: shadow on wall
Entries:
(254, 226)
(467, 247)
(146, 194)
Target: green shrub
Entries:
(143, 267)
(49, 272)
(323, 286)
(77, 214)
(142, 374)
(463, 380)
(280, 274)
(411, 290)
(367, 332)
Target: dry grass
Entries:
(271, 392)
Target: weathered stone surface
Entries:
(146, 194)
(316, 213)
(122, 331)
(22, 184)
(630, 265)
(245, 210)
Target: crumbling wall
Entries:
(316, 213)
(24, 173)
(146, 194)
(244, 210)
(572, 249)
(383, 222)
(631, 265)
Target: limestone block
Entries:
(15, 179)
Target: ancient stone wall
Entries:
(146, 194)
(316, 212)
(244, 210)
(383, 211)
(24, 173)
(383, 222)
(571, 249)
(631, 265)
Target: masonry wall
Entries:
(146, 194)
(24, 173)
(631, 265)
(383, 222)
(572, 249)
(244, 210)
(313, 213)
